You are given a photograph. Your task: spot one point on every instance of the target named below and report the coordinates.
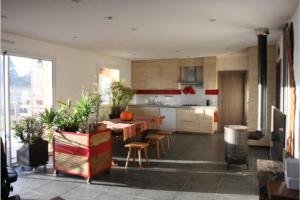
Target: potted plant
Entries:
(95, 99)
(87, 109)
(121, 95)
(87, 151)
(34, 151)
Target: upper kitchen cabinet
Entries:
(155, 74)
(170, 74)
(210, 73)
(138, 73)
(164, 74)
(191, 62)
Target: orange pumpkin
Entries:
(126, 116)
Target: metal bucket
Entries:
(236, 145)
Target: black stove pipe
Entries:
(262, 85)
(262, 81)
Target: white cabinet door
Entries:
(170, 118)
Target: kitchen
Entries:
(182, 90)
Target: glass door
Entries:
(30, 90)
(2, 100)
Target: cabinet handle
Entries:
(186, 121)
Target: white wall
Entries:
(198, 99)
(73, 68)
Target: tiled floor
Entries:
(194, 169)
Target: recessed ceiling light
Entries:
(109, 17)
(76, 1)
(74, 37)
(7, 41)
(134, 29)
(212, 20)
(3, 16)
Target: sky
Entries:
(25, 65)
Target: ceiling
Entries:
(148, 29)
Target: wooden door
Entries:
(232, 98)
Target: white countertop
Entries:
(173, 106)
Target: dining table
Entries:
(130, 128)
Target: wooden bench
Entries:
(137, 147)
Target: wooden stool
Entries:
(158, 141)
(137, 146)
(169, 136)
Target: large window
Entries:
(106, 77)
(28, 90)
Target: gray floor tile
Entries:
(114, 196)
(194, 196)
(84, 192)
(156, 194)
(206, 182)
(51, 190)
(235, 197)
(27, 184)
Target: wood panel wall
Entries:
(253, 91)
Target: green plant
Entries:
(48, 117)
(81, 115)
(74, 118)
(95, 101)
(87, 108)
(28, 130)
(121, 95)
(67, 119)
(83, 109)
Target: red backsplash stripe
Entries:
(212, 92)
(170, 92)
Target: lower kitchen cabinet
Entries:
(198, 120)
(188, 119)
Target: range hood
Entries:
(191, 75)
